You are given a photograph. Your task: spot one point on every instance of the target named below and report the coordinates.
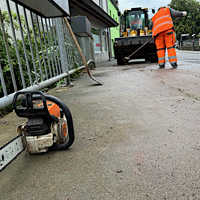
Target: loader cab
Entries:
(134, 22)
(136, 37)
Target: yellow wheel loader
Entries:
(136, 37)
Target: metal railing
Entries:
(34, 51)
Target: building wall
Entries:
(100, 42)
(101, 47)
(100, 37)
(105, 5)
(102, 4)
(114, 31)
(96, 1)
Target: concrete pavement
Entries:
(137, 137)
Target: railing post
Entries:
(61, 44)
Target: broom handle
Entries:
(129, 57)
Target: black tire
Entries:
(68, 116)
(147, 59)
(154, 59)
(120, 61)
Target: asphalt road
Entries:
(137, 137)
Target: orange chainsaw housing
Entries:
(53, 109)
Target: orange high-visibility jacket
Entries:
(162, 21)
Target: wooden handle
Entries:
(80, 51)
(76, 42)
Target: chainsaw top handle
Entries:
(30, 104)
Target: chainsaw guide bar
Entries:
(10, 151)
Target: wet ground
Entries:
(137, 137)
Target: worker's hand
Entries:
(184, 13)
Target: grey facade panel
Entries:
(81, 25)
(46, 8)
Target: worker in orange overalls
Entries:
(164, 34)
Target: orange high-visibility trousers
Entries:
(165, 40)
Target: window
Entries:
(136, 20)
(97, 40)
(104, 41)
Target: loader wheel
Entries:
(120, 61)
(67, 124)
(154, 59)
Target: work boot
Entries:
(174, 65)
(161, 66)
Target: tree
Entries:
(191, 23)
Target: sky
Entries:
(127, 4)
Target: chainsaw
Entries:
(49, 126)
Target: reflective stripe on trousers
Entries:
(166, 40)
(161, 60)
